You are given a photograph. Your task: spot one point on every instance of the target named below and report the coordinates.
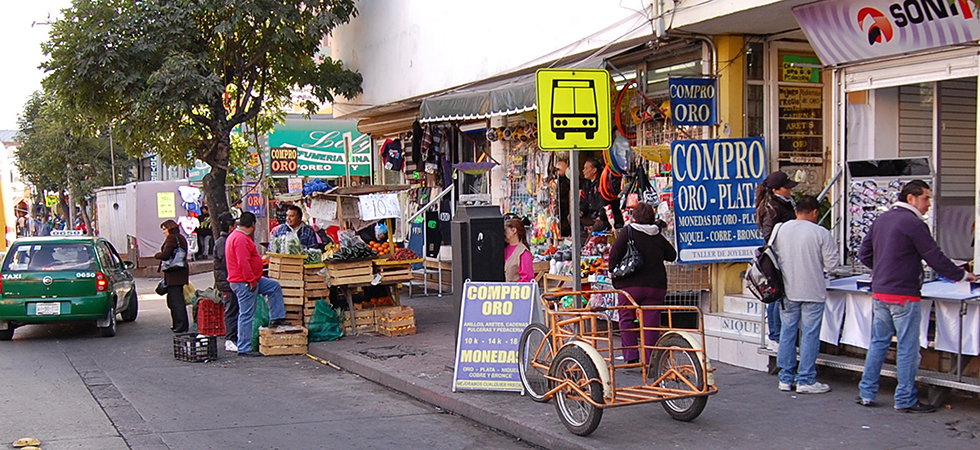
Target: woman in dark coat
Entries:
(774, 205)
(175, 279)
(648, 284)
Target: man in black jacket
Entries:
(226, 223)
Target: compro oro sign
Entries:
(693, 101)
(574, 111)
(714, 198)
(843, 31)
(316, 148)
(492, 318)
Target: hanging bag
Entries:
(632, 260)
(176, 262)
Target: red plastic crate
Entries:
(210, 318)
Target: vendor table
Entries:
(847, 320)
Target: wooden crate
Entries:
(283, 341)
(364, 320)
(316, 293)
(356, 272)
(395, 317)
(394, 272)
(396, 332)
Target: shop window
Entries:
(800, 141)
(755, 92)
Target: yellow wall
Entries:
(726, 278)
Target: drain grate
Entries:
(388, 352)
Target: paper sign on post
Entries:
(379, 206)
(166, 205)
(323, 209)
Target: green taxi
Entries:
(67, 277)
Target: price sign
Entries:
(284, 161)
(379, 206)
(323, 209)
(166, 205)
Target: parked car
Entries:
(67, 277)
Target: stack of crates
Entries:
(288, 271)
(314, 288)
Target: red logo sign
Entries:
(879, 28)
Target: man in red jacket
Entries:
(245, 277)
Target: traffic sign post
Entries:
(574, 109)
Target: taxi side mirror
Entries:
(129, 265)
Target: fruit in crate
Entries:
(329, 250)
(403, 254)
(380, 248)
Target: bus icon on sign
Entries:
(573, 108)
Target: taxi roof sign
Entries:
(574, 109)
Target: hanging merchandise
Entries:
(191, 197)
(620, 154)
(392, 155)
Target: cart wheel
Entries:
(535, 341)
(578, 415)
(683, 362)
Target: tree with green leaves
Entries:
(61, 152)
(177, 77)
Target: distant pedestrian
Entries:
(518, 262)
(174, 279)
(894, 248)
(805, 251)
(226, 224)
(774, 205)
(205, 237)
(245, 277)
(648, 284)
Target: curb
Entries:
(455, 404)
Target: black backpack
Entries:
(763, 277)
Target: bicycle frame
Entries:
(580, 327)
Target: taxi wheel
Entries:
(132, 309)
(6, 335)
(110, 330)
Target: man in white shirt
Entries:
(804, 251)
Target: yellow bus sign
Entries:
(574, 111)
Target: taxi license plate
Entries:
(48, 309)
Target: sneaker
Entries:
(250, 354)
(785, 387)
(231, 347)
(864, 402)
(278, 323)
(815, 388)
(918, 408)
(772, 345)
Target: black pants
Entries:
(230, 301)
(178, 309)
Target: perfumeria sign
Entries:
(843, 31)
(318, 146)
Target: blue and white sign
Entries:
(492, 318)
(693, 101)
(714, 198)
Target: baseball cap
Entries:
(778, 180)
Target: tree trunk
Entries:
(215, 191)
(85, 217)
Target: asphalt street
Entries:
(70, 388)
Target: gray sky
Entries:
(21, 50)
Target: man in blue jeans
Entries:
(245, 276)
(804, 251)
(895, 246)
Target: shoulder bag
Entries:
(632, 260)
(176, 262)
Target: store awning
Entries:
(513, 93)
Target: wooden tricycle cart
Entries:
(573, 359)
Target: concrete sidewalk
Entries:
(748, 411)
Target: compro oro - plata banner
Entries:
(491, 319)
(714, 198)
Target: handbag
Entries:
(176, 262)
(161, 288)
(632, 260)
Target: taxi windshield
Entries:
(50, 257)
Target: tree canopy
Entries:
(176, 77)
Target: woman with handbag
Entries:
(173, 263)
(518, 262)
(636, 261)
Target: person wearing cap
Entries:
(774, 205)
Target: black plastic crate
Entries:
(191, 347)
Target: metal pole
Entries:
(112, 158)
(347, 155)
(576, 223)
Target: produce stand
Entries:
(349, 275)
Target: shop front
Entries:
(904, 86)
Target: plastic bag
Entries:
(291, 244)
(260, 319)
(190, 294)
(324, 324)
(275, 245)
